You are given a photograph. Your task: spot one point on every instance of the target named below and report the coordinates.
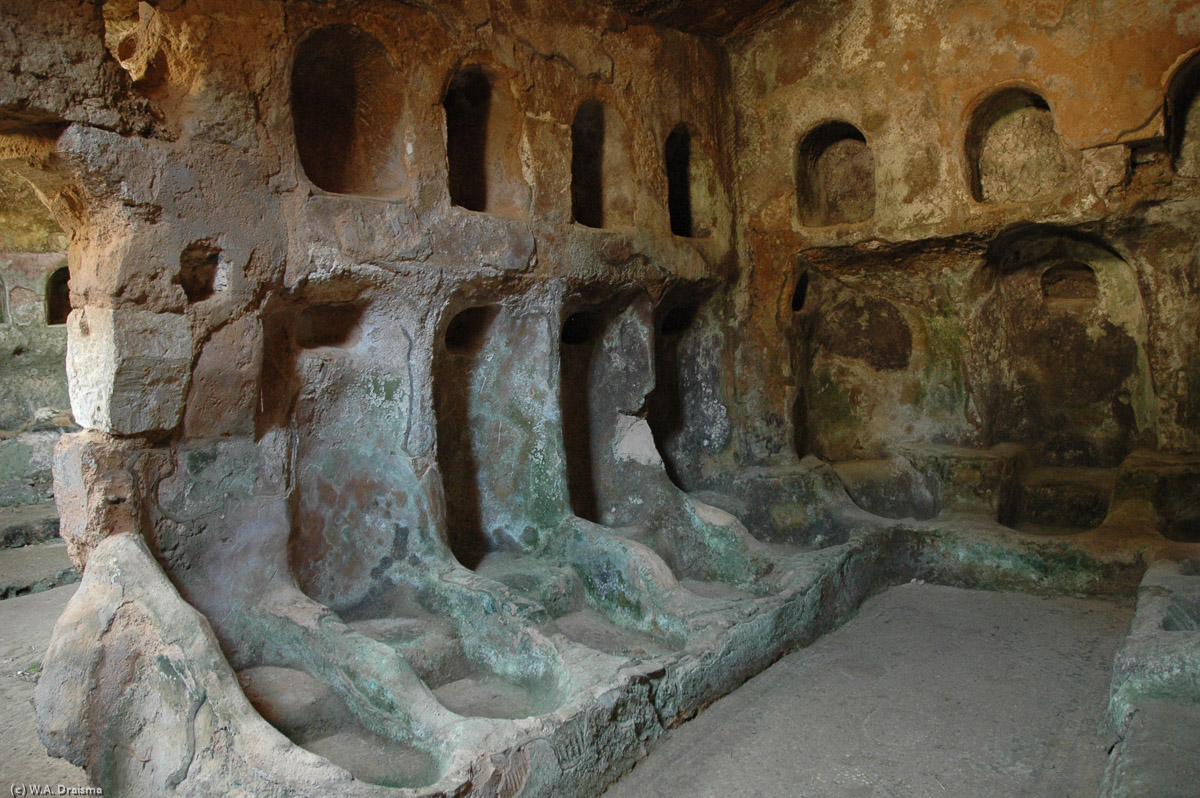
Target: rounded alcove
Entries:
(691, 188)
(198, 265)
(1070, 284)
(581, 328)
(678, 156)
(800, 293)
(465, 332)
(602, 184)
(835, 176)
(346, 111)
(58, 296)
(483, 133)
(1013, 149)
(1183, 118)
(468, 104)
(587, 164)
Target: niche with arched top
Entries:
(691, 185)
(1070, 327)
(800, 293)
(579, 335)
(1069, 284)
(602, 190)
(58, 297)
(346, 111)
(458, 363)
(198, 265)
(587, 164)
(482, 145)
(835, 176)
(1013, 149)
(1183, 118)
(678, 155)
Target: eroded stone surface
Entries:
(510, 478)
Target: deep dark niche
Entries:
(346, 107)
(468, 105)
(587, 164)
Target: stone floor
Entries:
(928, 691)
(25, 626)
(34, 568)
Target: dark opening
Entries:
(468, 105)
(466, 338)
(1183, 118)
(580, 328)
(679, 183)
(346, 103)
(58, 297)
(581, 332)
(1070, 281)
(835, 176)
(198, 270)
(587, 164)
(678, 319)
(800, 295)
(326, 325)
(664, 405)
(465, 332)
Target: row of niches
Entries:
(1014, 153)
(347, 112)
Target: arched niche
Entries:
(1069, 284)
(1183, 118)
(587, 164)
(1070, 327)
(602, 192)
(58, 297)
(835, 176)
(691, 184)
(1013, 149)
(347, 100)
(483, 133)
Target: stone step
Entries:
(34, 568)
(1159, 755)
(24, 524)
(1062, 498)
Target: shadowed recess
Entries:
(468, 104)
(198, 270)
(587, 164)
(800, 294)
(1013, 149)
(665, 404)
(463, 343)
(678, 152)
(346, 108)
(58, 297)
(835, 176)
(1070, 281)
(581, 332)
(327, 325)
(1183, 118)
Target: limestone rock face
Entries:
(485, 387)
(128, 370)
(94, 487)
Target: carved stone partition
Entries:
(471, 392)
